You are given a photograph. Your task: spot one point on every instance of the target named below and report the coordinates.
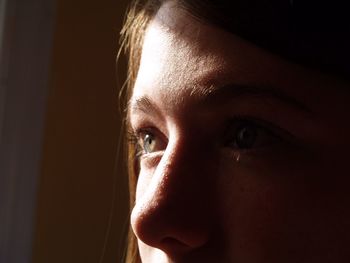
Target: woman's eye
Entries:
(149, 143)
(245, 135)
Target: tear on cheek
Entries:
(236, 156)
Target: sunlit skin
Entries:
(204, 195)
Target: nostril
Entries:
(173, 245)
(182, 240)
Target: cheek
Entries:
(141, 187)
(143, 182)
(268, 217)
(275, 212)
(252, 209)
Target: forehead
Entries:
(181, 54)
(183, 58)
(170, 53)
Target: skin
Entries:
(201, 197)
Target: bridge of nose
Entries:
(175, 212)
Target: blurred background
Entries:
(79, 175)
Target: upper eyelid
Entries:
(264, 124)
(139, 124)
(140, 131)
(141, 121)
(150, 130)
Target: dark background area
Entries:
(81, 136)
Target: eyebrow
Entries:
(142, 104)
(217, 95)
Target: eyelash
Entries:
(133, 139)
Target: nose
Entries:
(173, 212)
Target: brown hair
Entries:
(138, 16)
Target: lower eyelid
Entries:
(151, 160)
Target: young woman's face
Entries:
(243, 156)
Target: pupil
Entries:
(246, 137)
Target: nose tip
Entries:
(163, 227)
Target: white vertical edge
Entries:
(26, 28)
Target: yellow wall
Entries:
(82, 128)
